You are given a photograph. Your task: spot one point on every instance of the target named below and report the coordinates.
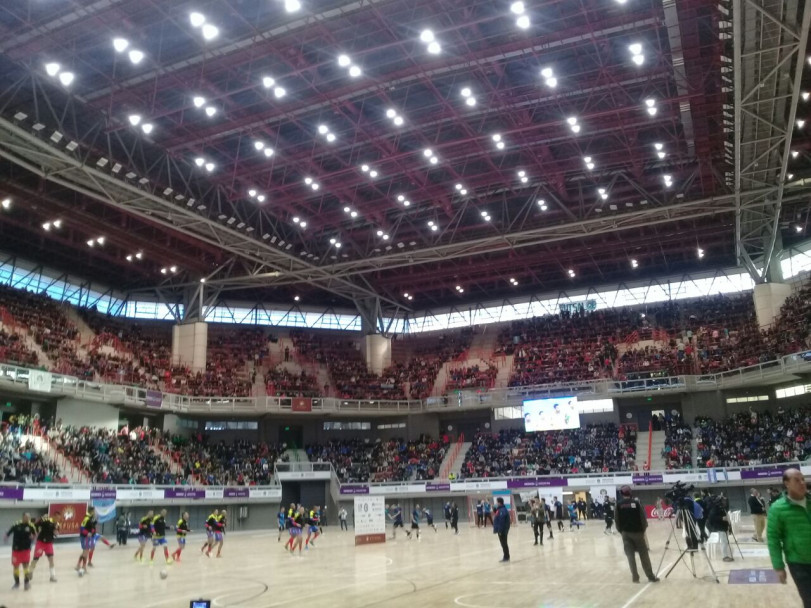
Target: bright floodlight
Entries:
(434, 48)
(434, 160)
(261, 198)
(268, 152)
(344, 60)
(496, 137)
(199, 161)
(354, 71)
(500, 145)
(198, 101)
(211, 111)
(210, 167)
(52, 69)
(291, 6)
(210, 31)
(147, 127)
(650, 102)
(427, 36)
(638, 59)
(373, 174)
(308, 180)
(120, 44)
(330, 137)
(458, 186)
(323, 129)
(398, 121)
(572, 120)
(390, 113)
(279, 92)
(463, 192)
(466, 92)
(364, 168)
(268, 82)
(652, 111)
(252, 193)
(66, 78)
(259, 145)
(197, 19)
(428, 153)
(135, 119)
(547, 73)
(136, 56)
(471, 101)
(635, 48)
(517, 8)
(523, 22)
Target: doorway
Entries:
(292, 435)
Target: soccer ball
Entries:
(164, 573)
(81, 572)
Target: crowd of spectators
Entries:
(239, 462)
(19, 459)
(753, 438)
(363, 460)
(14, 350)
(678, 448)
(590, 449)
(474, 376)
(790, 331)
(281, 382)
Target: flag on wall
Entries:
(105, 509)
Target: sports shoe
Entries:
(655, 579)
(27, 585)
(53, 579)
(16, 585)
(169, 561)
(90, 565)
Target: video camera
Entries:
(679, 492)
(200, 604)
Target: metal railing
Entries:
(15, 377)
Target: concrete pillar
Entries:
(189, 344)
(377, 352)
(769, 297)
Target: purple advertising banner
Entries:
(153, 398)
(437, 487)
(236, 493)
(11, 493)
(536, 482)
(354, 489)
(184, 493)
(761, 473)
(647, 479)
(102, 493)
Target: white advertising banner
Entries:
(58, 494)
(599, 494)
(412, 488)
(39, 381)
(370, 520)
(139, 494)
(272, 493)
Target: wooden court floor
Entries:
(576, 569)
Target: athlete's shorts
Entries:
(218, 537)
(181, 540)
(142, 538)
(415, 526)
(313, 529)
(43, 548)
(430, 521)
(87, 542)
(295, 531)
(20, 558)
(398, 524)
(209, 533)
(158, 541)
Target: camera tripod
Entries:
(693, 546)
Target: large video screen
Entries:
(551, 414)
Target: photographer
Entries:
(632, 523)
(718, 521)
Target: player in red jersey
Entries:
(47, 530)
(22, 535)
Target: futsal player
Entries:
(397, 516)
(219, 532)
(47, 530)
(144, 534)
(211, 521)
(415, 520)
(447, 510)
(313, 523)
(158, 529)
(182, 529)
(429, 518)
(296, 526)
(22, 534)
(87, 538)
(281, 518)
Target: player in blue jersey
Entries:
(396, 515)
(429, 518)
(296, 523)
(415, 520)
(313, 527)
(158, 529)
(87, 533)
(281, 519)
(144, 534)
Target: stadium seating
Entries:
(594, 448)
(678, 451)
(20, 461)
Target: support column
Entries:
(769, 297)
(377, 352)
(189, 345)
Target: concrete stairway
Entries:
(442, 378)
(174, 467)
(86, 334)
(505, 371)
(483, 344)
(295, 455)
(51, 454)
(658, 462)
(456, 466)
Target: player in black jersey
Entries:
(87, 535)
(182, 529)
(22, 534)
(47, 531)
(211, 522)
(158, 529)
(219, 532)
(144, 534)
(313, 521)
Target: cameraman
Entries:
(632, 523)
(718, 521)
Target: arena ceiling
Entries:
(451, 150)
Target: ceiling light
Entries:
(700, 253)
(252, 193)
(571, 273)
(261, 198)
(259, 145)
(100, 240)
(427, 36)
(635, 48)
(496, 137)
(547, 73)
(91, 243)
(291, 6)
(428, 153)
(211, 111)
(589, 163)
(800, 123)
(517, 8)
(634, 264)
(638, 59)
(199, 161)
(373, 174)
(354, 71)
(172, 268)
(129, 258)
(210, 31)
(542, 204)
(330, 137)
(52, 69)
(135, 56)
(434, 48)
(471, 101)
(197, 19)
(120, 44)
(308, 180)
(268, 82)
(268, 152)
(66, 78)
(398, 121)
(279, 92)
(315, 186)
(466, 92)
(46, 226)
(344, 61)
(805, 95)
(323, 129)
(353, 214)
(434, 227)
(794, 154)
(135, 119)
(210, 167)
(147, 127)
(434, 160)
(798, 228)
(603, 193)
(57, 224)
(523, 22)
(199, 101)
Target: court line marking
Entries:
(645, 588)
